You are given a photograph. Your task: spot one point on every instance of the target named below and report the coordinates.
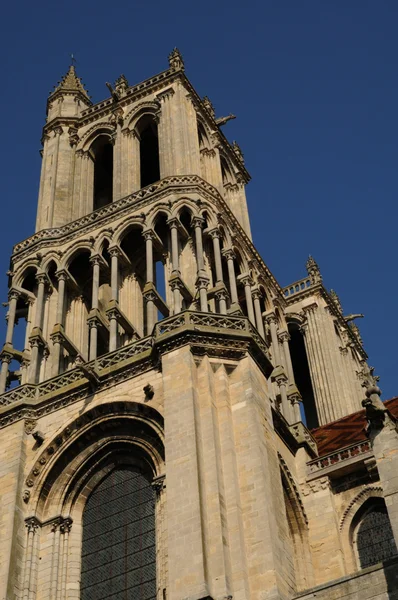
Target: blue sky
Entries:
(313, 84)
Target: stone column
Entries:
(230, 256)
(29, 583)
(202, 283)
(221, 295)
(247, 282)
(57, 340)
(175, 287)
(257, 311)
(12, 308)
(95, 261)
(198, 223)
(215, 235)
(281, 380)
(202, 280)
(6, 359)
(113, 324)
(173, 224)
(272, 321)
(294, 394)
(149, 298)
(41, 279)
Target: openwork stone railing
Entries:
(336, 458)
(186, 320)
(113, 208)
(297, 287)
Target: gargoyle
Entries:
(353, 316)
(222, 120)
(114, 94)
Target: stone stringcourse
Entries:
(201, 330)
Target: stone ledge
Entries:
(206, 333)
(324, 590)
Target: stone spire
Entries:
(175, 60)
(313, 270)
(70, 83)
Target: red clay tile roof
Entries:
(346, 431)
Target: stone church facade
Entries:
(174, 425)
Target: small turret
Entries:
(68, 98)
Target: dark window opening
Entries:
(118, 549)
(103, 172)
(149, 153)
(302, 375)
(375, 538)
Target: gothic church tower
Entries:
(158, 386)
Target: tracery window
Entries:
(374, 537)
(118, 549)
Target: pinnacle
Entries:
(71, 83)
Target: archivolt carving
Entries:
(292, 488)
(139, 110)
(83, 435)
(94, 131)
(124, 227)
(356, 503)
(74, 250)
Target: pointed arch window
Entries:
(147, 131)
(372, 533)
(118, 548)
(102, 154)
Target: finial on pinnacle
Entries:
(121, 86)
(209, 106)
(313, 270)
(238, 151)
(336, 301)
(176, 60)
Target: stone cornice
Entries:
(206, 333)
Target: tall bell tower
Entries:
(153, 412)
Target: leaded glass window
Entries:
(118, 550)
(375, 539)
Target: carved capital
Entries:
(202, 282)
(159, 484)
(283, 336)
(270, 317)
(246, 279)
(13, 294)
(214, 233)
(228, 253)
(198, 221)
(149, 234)
(32, 524)
(173, 223)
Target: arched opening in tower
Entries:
(149, 151)
(102, 153)
(302, 375)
